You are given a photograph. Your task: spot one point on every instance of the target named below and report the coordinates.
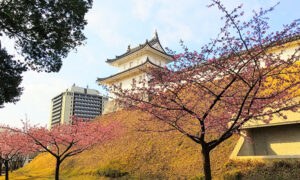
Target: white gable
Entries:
(157, 46)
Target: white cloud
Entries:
(172, 16)
(9, 45)
(105, 24)
(35, 101)
(192, 21)
(142, 9)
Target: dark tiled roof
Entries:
(147, 61)
(141, 46)
(289, 39)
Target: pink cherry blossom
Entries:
(231, 80)
(66, 140)
(13, 144)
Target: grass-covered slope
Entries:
(262, 170)
(134, 154)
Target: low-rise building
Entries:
(278, 139)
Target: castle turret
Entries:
(131, 63)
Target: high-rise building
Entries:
(82, 102)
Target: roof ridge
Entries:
(138, 66)
(151, 42)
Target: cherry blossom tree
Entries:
(63, 141)
(12, 145)
(243, 74)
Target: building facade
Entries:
(279, 139)
(131, 66)
(82, 102)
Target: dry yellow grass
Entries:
(143, 155)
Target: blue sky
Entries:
(114, 24)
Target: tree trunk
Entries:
(1, 163)
(206, 163)
(57, 169)
(11, 165)
(6, 169)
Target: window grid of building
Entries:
(82, 102)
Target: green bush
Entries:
(112, 173)
(233, 175)
(258, 170)
(281, 164)
(233, 164)
(198, 177)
